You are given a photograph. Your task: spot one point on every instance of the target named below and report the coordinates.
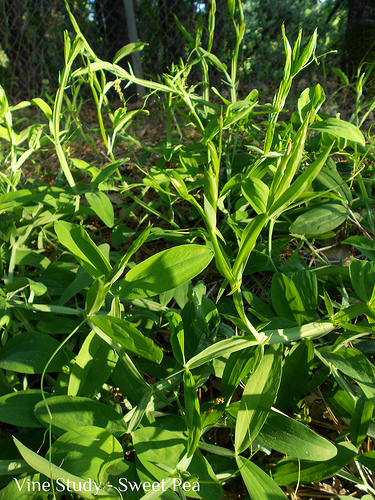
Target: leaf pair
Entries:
(162, 272)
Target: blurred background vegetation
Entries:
(31, 36)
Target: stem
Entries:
(100, 117)
(272, 224)
(56, 123)
(240, 29)
(238, 302)
(169, 120)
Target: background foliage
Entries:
(31, 36)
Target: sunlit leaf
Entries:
(127, 335)
(192, 412)
(102, 206)
(165, 270)
(320, 220)
(257, 398)
(54, 472)
(292, 471)
(340, 128)
(71, 413)
(79, 243)
(258, 483)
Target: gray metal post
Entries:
(133, 37)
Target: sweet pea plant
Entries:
(191, 371)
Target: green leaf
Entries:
(310, 100)
(43, 106)
(351, 312)
(342, 76)
(122, 117)
(13, 467)
(80, 282)
(34, 139)
(87, 454)
(192, 413)
(237, 111)
(17, 408)
(248, 240)
(165, 271)
(77, 47)
(361, 420)
(81, 246)
(154, 445)
(307, 285)
(286, 300)
(21, 283)
(256, 193)
(180, 185)
(96, 296)
(54, 472)
(210, 214)
(259, 484)
(159, 452)
(127, 335)
(177, 336)
(355, 365)
(364, 245)
(83, 165)
(319, 220)
(337, 398)
(102, 206)
(300, 185)
(257, 398)
(128, 378)
(340, 128)
(134, 418)
(214, 60)
(120, 265)
(289, 164)
(209, 486)
(104, 175)
(29, 352)
(294, 439)
(367, 459)
(119, 470)
(92, 367)
(307, 53)
(238, 365)
(231, 7)
(4, 106)
(128, 49)
(362, 276)
(329, 178)
(72, 413)
(18, 487)
(292, 471)
(297, 371)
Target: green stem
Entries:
(56, 123)
(169, 120)
(270, 233)
(240, 29)
(238, 302)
